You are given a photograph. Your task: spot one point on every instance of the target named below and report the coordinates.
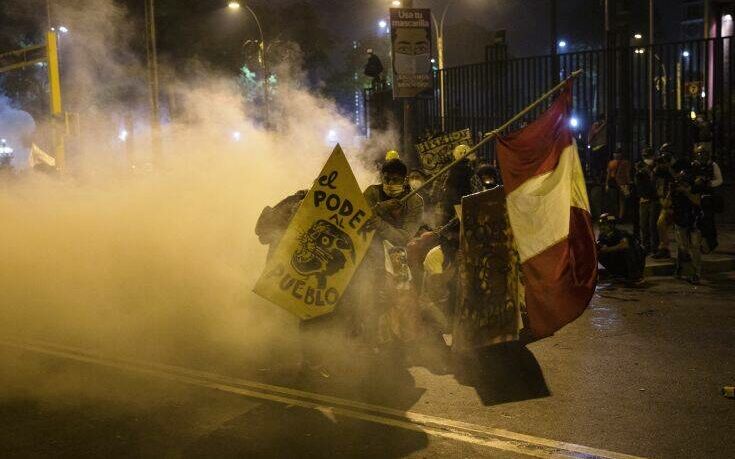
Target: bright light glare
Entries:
(574, 122)
(63, 29)
(637, 36)
(693, 115)
(704, 94)
(332, 135)
(123, 135)
(685, 54)
(236, 136)
(382, 24)
(233, 5)
(396, 3)
(640, 51)
(727, 17)
(562, 44)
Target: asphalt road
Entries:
(638, 374)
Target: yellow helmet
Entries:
(461, 150)
(392, 154)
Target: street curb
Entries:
(718, 264)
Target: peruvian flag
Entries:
(550, 217)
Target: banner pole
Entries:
(494, 133)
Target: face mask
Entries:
(415, 184)
(393, 190)
(407, 64)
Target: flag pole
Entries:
(494, 133)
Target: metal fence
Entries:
(676, 82)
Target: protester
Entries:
(619, 252)
(416, 179)
(461, 181)
(617, 182)
(270, 228)
(686, 203)
(663, 177)
(273, 221)
(707, 178)
(649, 205)
(397, 223)
(597, 141)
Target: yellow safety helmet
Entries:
(392, 154)
(461, 150)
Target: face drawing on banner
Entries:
(412, 51)
(322, 252)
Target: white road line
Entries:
(527, 445)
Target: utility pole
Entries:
(408, 106)
(152, 54)
(439, 29)
(57, 134)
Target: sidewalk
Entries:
(721, 260)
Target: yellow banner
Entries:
(323, 246)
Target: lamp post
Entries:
(439, 29)
(233, 5)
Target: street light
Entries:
(439, 29)
(562, 44)
(685, 54)
(236, 6)
(396, 4)
(638, 36)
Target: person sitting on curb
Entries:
(619, 252)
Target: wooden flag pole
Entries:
(493, 134)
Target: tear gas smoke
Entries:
(158, 263)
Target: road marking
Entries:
(500, 439)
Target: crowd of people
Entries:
(661, 194)
(404, 288)
(408, 278)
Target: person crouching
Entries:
(619, 252)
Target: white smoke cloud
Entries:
(158, 263)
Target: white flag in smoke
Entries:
(39, 156)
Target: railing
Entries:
(687, 79)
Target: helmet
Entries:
(607, 219)
(665, 148)
(460, 151)
(487, 170)
(391, 154)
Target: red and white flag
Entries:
(550, 216)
